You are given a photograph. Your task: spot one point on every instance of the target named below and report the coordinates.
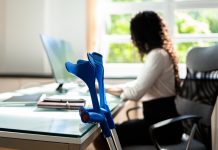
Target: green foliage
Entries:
(119, 24)
(187, 24)
(123, 53)
(182, 49)
(213, 22)
(194, 22)
(208, 16)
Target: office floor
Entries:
(8, 84)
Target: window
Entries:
(195, 26)
(191, 23)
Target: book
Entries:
(61, 103)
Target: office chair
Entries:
(194, 103)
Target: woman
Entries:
(158, 80)
(159, 75)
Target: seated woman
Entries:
(158, 79)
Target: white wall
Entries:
(24, 20)
(23, 24)
(67, 19)
(2, 32)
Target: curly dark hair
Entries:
(148, 31)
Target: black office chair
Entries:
(194, 103)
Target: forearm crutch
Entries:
(87, 72)
(97, 60)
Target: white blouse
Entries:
(156, 79)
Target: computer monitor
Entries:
(58, 51)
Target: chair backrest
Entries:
(203, 58)
(199, 89)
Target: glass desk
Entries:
(30, 128)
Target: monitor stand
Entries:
(60, 89)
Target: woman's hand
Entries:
(114, 91)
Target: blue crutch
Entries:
(97, 60)
(86, 71)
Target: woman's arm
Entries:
(152, 69)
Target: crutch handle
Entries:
(106, 112)
(93, 117)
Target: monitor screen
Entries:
(58, 51)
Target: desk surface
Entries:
(30, 122)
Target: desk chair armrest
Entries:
(131, 109)
(166, 122)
